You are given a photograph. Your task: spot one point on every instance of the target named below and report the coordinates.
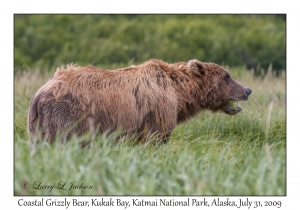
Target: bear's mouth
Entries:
(233, 107)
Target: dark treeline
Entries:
(109, 41)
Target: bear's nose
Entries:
(248, 91)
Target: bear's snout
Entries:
(248, 91)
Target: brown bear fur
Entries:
(150, 98)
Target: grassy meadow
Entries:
(211, 154)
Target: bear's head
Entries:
(218, 90)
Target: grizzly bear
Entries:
(147, 99)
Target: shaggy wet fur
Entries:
(145, 99)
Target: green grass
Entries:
(211, 154)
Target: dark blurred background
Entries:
(45, 42)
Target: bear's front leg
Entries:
(157, 126)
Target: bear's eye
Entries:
(227, 76)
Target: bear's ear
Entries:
(196, 66)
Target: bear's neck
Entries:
(188, 86)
